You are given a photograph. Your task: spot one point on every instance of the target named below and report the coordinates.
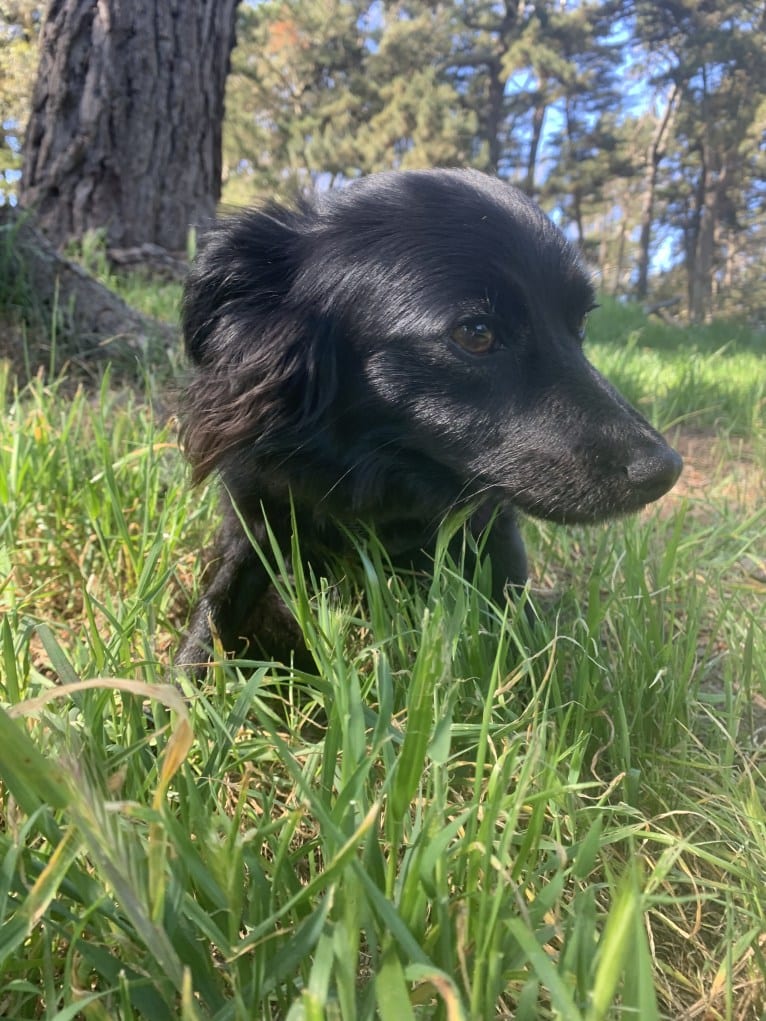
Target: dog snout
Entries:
(651, 473)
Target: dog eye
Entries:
(475, 338)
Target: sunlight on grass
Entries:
(455, 816)
(700, 378)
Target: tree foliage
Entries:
(19, 29)
(639, 124)
(712, 55)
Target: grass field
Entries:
(456, 817)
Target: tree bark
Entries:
(125, 129)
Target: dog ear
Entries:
(265, 363)
(243, 271)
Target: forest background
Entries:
(639, 126)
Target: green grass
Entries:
(455, 817)
(160, 299)
(703, 377)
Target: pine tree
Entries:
(713, 53)
(323, 91)
(296, 95)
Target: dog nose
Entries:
(655, 473)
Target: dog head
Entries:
(419, 329)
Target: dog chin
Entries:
(584, 513)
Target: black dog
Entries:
(389, 352)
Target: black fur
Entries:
(329, 350)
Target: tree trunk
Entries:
(494, 109)
(711, 191)
(617, 287)
(538, 117)
(495, 114)
(653, 160)
(125, 129)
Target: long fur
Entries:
(330, 369)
